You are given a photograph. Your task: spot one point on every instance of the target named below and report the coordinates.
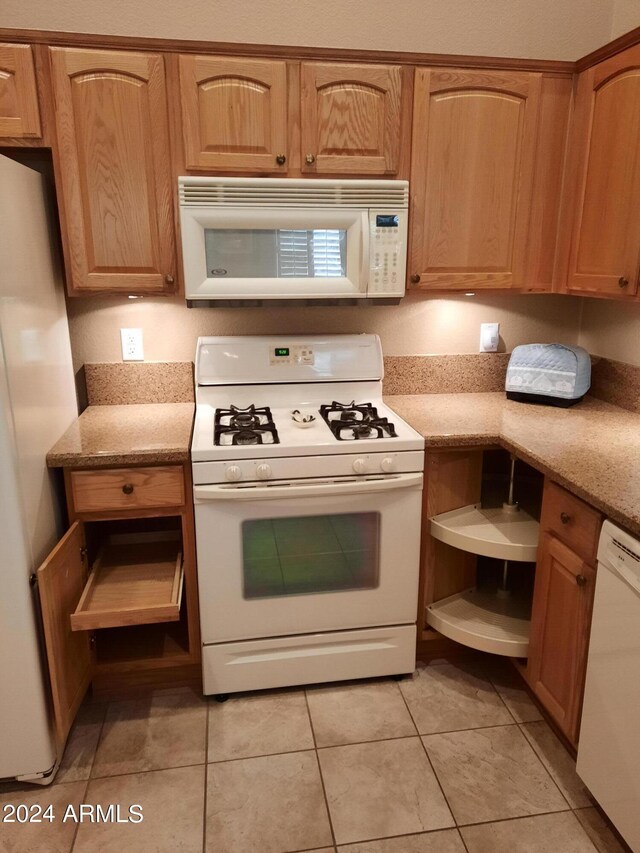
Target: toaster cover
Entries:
(552, 372)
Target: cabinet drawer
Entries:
(127, 488)
(572, 520)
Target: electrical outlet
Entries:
(489, 337)
(131, 340)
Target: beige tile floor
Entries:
(456, 758)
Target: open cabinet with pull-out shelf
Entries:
(118, 592)
(541, 616)
(479, 548)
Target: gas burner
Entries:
(244, 420)
(251, 425)
(355, 421)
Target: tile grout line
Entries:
(100, 737)
(324, 790)
(433, 769)
(93, 761)
(535, 752)
(516, 817)
(149, 770)
(206, 777)
(77, 827)
(501, 697)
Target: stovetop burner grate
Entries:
(356, 421)
(244, 426)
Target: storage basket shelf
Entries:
(135, 580)
(484, 620)
(489, 532)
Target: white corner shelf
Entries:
(484, 620)
(490, 532)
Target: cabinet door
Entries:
(605, 245)
(350, 119)
(234, 113)
(560, 621)
(19, 114)
(113, 170)
(474, 138)
(61, 580)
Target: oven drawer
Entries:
(308, 659)
(127, 488)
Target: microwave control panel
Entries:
(388, 251)
(297, 354)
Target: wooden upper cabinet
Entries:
(114, 171)
(351, 118)
(472, 174)
(234, 113)
(19, 113)
(605, 245)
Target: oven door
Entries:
(262, 253)
(307, 555)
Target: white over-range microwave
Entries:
(255, 239)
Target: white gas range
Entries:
(308, 494)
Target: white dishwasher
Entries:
(609, 747)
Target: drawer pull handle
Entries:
(623, 282)
(127, 489)
(281, 159)
(415, 278)
(581, 580)
(565, 518)
(310, 159)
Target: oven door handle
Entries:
(306, 489)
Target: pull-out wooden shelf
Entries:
(136, 580)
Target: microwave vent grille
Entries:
(267, 192)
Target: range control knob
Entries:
(263, 471)
(388, 464)
(233, 473)
(360, 466)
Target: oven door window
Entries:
(276, 252)
(303, 555)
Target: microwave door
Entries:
(257, 253)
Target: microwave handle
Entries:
(365, 264)
(308, 489)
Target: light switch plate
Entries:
(131, 341)
(489, 337)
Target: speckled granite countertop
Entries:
(126, 435)
(593, 449)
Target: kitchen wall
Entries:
(419, 325)
(611, 329)
(545, 29)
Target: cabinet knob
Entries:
(581, 580)
(310, 159)
(415, 278)
(169, 279)
(281, 159)
(565, 518)
(623, 282)
(127, 488)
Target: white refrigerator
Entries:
(37, 404)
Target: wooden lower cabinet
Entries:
(118, 595)
(562, 604)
